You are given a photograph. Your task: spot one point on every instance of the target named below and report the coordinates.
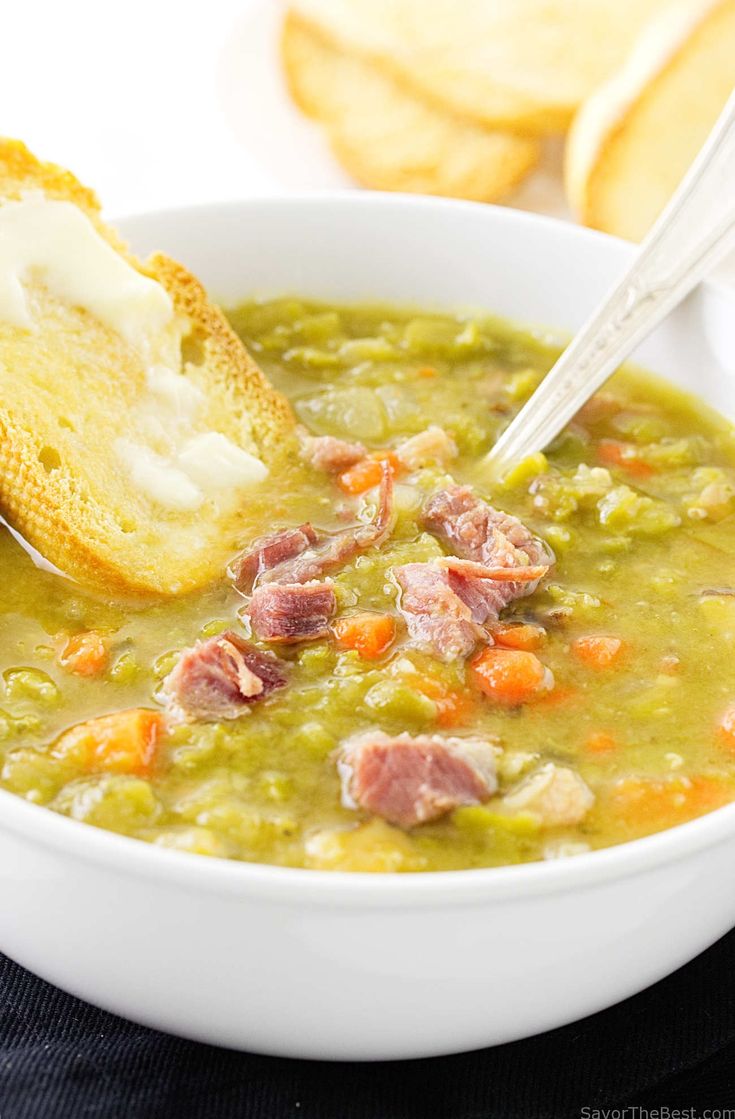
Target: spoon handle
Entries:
(691, 235)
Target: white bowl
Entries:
(312, 964)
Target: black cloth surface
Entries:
(671, 1046)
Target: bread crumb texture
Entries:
(72, 388)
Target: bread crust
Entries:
(520, 65)
(619, 168)
(387, 136)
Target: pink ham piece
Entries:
(325, 452)
(446, 602)
(488, 590)
(409, 781)
(473, 530)
(436, 617)
(300, 555)
(337, 550)
(433, 445)
(288, 612)
(268, 553)
(219, 678)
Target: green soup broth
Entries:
(637, 499)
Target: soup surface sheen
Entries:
(635, 623)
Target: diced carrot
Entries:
(367, 473)
(526, 637)
(427, 371)
(510, 676)
(370, 634)
(123, 742)
(599, 651)
(454, 707)
(613, 453)
(361, 477)
(651, 803)
(600, 743)
(726, 729)
(85, 654)
(559, 695)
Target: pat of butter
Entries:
(57, 243)
(214, 462)
(174, 391)
(158, 478)
(206, 465)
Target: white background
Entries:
(158, 103)
(133, 96)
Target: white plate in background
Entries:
(290, 147)
(292, 150)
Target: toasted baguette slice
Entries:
(71, 387)
(634, 139)
(388, 138)
(523, 65)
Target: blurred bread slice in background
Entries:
(636, 136)
(388, 138)
(523, 65)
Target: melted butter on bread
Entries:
(58, 244)
(133, 422)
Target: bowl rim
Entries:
(44, 828)
(382, 199)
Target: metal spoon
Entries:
(693, 233)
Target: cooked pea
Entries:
(400, 702)
(625, 509)
(196, 841)
(112, 801)
(32, 774)
(321, 328)
(163, 664)
(125, 669)
(31, 684)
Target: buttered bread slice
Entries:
(134, 425)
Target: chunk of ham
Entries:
(488, 590)
(447, 601)
(332, 455)
(300, 555)
(433, 446)
(219, 678)
(473, 530)
(285, 613)
(409, 781)
(436, 617)
(555, 794)
(269, 553)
